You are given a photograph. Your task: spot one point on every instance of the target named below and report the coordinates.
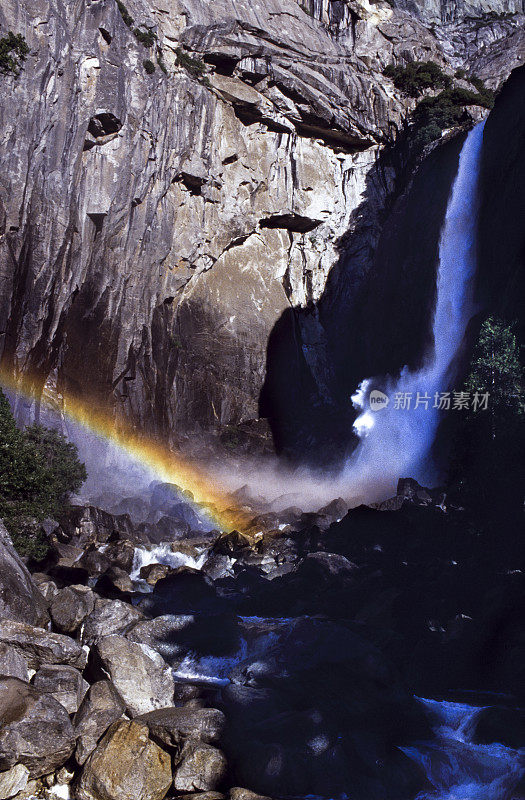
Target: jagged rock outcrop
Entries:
(154, 226)
(20, 599)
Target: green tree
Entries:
(39, 469)
(496, 368)
(488, 462)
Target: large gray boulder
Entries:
(38, 646)
(13, 781)
(108, 617)
(35, 729)
(20, 599)
(202, 768)
(127, 765)
(100, 708)
(64, 683)
(12, 663)
(140, 675)
(70, 607)
(173, 726)
(161, 634)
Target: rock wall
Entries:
(155, 226)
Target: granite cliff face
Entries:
(155, 226)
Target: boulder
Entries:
(20, 599)
(38, 646)
(172, 726)
(126, 765)
(152, 573)
(140, 675)
(237, 793)
(45, 585)
(13, 781)
(35, 730)
(202, 768)
(12, 663)
(121, 554)
(100, 708)
(70, 607)
(115, 582)
(66, 684)
(202, 796)
(108, 617)
(162, 634)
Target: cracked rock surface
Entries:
(155, 225)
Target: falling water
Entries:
(396, 440)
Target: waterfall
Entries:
(397, 437)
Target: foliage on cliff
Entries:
(417, 76)
(39, 469)
(434, 114)
(13, 52)
(488, 464)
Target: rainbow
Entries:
(169, 466)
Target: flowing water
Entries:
(459, 769)
(396, 440)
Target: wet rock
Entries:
(140, 675)
(202, 768)
(218, 566)
(38, 646)
(70, 607)
(100, 708)
(126, 765)
(35, 729)
(12, 663)
(13, 781)
(121, 555)
(66, 684)
(173, 726)
(152, 573)
(20, 599)
(108, 617)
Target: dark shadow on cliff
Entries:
(374, 315)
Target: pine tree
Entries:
(38, 471)
(488, 464)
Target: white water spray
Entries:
(396, 439)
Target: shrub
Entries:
(38, 471)
(461, 74)
(124, 13)
(149, 66)
(417, 76)
(488, 465)
(147, 37)
(13, 52)
(445, 110)
(194, 66)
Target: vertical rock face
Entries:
(155, 226)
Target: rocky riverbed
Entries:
(151, 657)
